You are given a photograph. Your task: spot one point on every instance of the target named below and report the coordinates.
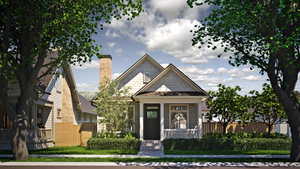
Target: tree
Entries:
(113, 107)
(266, 107)
(31, 29)
(264, 34)
(225, 104)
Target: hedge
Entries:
(210, 143)
(114, 143)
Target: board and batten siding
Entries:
(135, 80)
(171, 82)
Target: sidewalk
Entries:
(169, 164)
(148, 156)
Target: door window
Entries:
(151, 114)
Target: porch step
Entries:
(151, 148)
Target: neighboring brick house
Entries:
(167, 103)
(57, 117)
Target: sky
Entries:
(163, 32)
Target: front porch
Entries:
(170, 117)
(38, 138)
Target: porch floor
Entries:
(151, 148)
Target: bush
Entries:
(116, 135)
(113, 143)
(228, 142)
(241, 135)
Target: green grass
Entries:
(228, 152)
(76, 150)
(144, 160)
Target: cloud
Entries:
(165, 26)
(87, 86)
(94, 64)
(111, 44)
(195, 70)
(111, 34)
(119, 51)
(115, 75)
(252, 78)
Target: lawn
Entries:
(228, 152)
(145, 160)
(76, 150)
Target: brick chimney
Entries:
(105, 68)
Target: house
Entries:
(167, 103)
(59, 117)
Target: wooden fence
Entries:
(216, 127)
(68, 134)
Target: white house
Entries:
(167, 103)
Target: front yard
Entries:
(77, 150)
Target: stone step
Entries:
(151, 147)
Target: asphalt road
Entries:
(134, 167)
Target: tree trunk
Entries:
(224, 128)
(292, 109)
(20, 131)
(270, 127)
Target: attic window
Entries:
(147, 77)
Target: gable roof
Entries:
(86, 105)
(137, 63)
(173, 68)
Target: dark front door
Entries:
(152, 121)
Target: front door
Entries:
(152, 121)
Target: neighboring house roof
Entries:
(137, 63)
(174, 69)
(46, 79)
(86, 106)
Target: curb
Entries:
(171, 164)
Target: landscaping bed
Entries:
(229, 144)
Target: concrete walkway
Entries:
(148, 156)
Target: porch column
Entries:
(200, 119)
(162, 127)
(141, 120)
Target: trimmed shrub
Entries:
(212, 142)
(114, 143)
(262, 144)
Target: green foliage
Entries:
(114, 108)
(219, 142)
(106, 134)
(242, 135)
(30, 28)
(114, 143)
(266, 106)
(226, 104)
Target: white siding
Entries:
(135, 79)
(171, 82)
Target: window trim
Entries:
(146, 77)
(176, 111)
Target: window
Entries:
(147, 77)
(58, 113)
(178, 116)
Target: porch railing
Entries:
(45, 134)
(182, 133)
